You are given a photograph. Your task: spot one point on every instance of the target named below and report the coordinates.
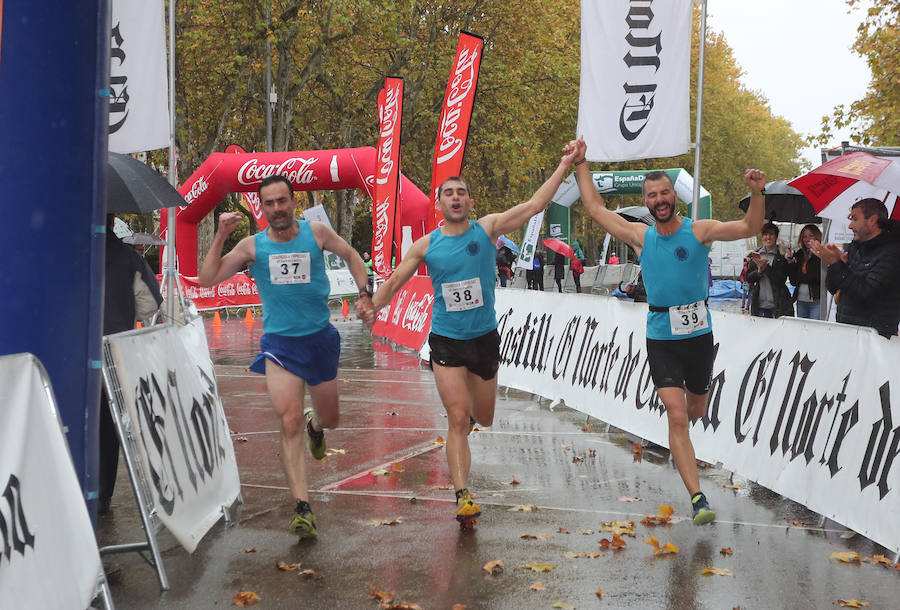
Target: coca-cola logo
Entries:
(417, 313)
(252, 200)
(296, 169)
(198, 188)
(460, 88)
(398, 307)
(381, 229)
(389, 123)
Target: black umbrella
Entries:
(134, 188)
(143, 239)
(784, 203)
(637, 213)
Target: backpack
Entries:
(577, 266)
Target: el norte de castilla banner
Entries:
(635, 72)
(788, 408)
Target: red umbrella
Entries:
(560, 247)
(836, 185)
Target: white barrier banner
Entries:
(48, 553)
(635, 70)
(184, 445)
(802, 407)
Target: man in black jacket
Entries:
(866, 278)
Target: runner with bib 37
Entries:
(465, 346)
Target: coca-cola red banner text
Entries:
(387, 174)
(456, 115)
(317, 170)
(237, 291)
(407, 320)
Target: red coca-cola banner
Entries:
(224, 173)
(456, 114)
(237, 291)
(407, 320)
(387, 174)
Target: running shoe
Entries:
(316, 437)
(703, 514)
(472, 423)
(303, 525)
(467, 512)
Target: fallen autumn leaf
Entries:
(716, 571)
(385, 597)
(846, 556)
(726, 551)
(287, 567)
(537, 567)
(852, 603)
(538, 586)
(245, 598)
(493, 567)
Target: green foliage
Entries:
(875, 119)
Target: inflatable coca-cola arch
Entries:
(316, 170)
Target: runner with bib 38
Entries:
(465, 346)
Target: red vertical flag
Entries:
(456, 115)
(385, 199)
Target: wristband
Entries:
(364, 292)
(580, 162)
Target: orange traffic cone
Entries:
(248, 318)
(139, 325)
(345, 309)
(217, 321)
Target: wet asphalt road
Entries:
(577, 480)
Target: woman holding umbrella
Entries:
(803, 270)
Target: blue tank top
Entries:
(292, 283)
(461, 267)
(675, 273)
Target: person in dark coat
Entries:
(127, 273)
(767, 274)
(804, 271)
(866, 278)
(559, 270)
(537, 271)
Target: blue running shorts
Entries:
(313, 358)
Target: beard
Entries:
(668, 212)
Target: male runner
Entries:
(673, 256)
(465, 345)
(299, 346)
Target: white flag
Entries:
(529, 244)
(138, 87)
(635, 72)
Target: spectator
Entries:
(131, 293)
(636, 289)
(577, 269)
(370, 268)
(559, 270)
(613, 259)
(865, 279)
(767, 274)
(504, 259)
(745, 285)
(804, 270)
(537, 271)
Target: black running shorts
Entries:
(682, 363)
(480, 355)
